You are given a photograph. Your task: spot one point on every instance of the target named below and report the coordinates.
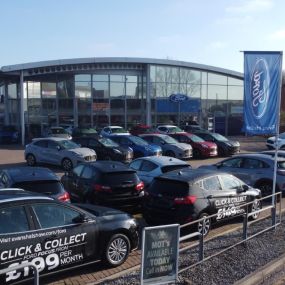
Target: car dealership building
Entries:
(119, 91)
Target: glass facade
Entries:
(125, 96)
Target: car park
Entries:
(255, 169)
(152, 166)
(142, 129)
(139, 146)
(225, 146)
(83, 132)
(113, 130)
(106, 149)
(169, 145)
(104, 183)
(59, 236)
(271, 142)
(35, 179)
(58, 132)
(57, 151)
(201, 148)
(186, 195)
(168, 129)
(9, 134)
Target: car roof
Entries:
(163, 160)
(28, 173)
(188, 175)
(14, 194)
(50, 138)
(110, 166)
(258, 155)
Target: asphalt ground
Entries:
(13, 155)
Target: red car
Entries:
(142, 129)
(201, 148)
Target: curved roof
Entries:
(92, 60)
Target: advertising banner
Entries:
(262, 87)
(160, 247)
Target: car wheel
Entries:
(67, 164)
(256, 205)
(196, 153)
(117, 250)
(207, 225)
(31, 160)
(170, 153)
(265, 188)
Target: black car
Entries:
(83, 132)
(9, 134)
(104, 183)
(186, 195)
(106, 149)
(58, 236)
(34, 179)
(226, 147)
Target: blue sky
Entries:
(211, 32)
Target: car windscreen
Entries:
(118, 130)
(195, 138)
(108, 142)
(44, 187)
(138, 140)
(88, 131)
(58, 131)
(168, 168)
(281, 165)
(117, 178)
(170, 188)
(169, 139)
(219, 137)
(174, 130)
(66, 144)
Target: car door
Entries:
(71, 181)
(98, 147)
(39, 150)
(52, 153)
(14, 248)
(66, 238)
(217, 196)
(85, 183)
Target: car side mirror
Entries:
(80, 219)
(244, 187)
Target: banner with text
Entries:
(262, 82)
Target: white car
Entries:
(149, 167)
(168, 129)
(57, 151)
(271, 142)
(113, 130)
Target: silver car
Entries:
(57, 151)
(254, 169)
(170, 146)
(152, 166)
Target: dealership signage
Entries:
(177, 98)
(160, 248)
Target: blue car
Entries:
(140, 147)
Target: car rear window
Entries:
(44, 187)
(168, 168)
(170, 188)
(119, 177)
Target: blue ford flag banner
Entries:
(262, 83)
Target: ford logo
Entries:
(178, 97)
(259, 88)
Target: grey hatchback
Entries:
(254, 169)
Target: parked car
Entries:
(201, 148)
(183, 196)
(83, 132)
(225, 146)
(9, 134)
(139, 146)
(104, 183)
(170, 146)
(254, 169)
(280, 153)
(271, 142)
(113, 130)
(58, 132)
(168, 129)
(57, 151)
(152, 166)
(34, 179)
(142, 129)
(59, 236)
(106, 149)
(192, 128)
